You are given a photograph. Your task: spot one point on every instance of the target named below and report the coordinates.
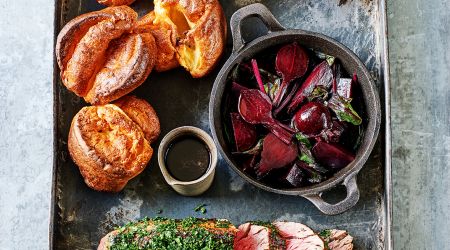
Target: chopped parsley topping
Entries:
(169, 234)
(200, 208)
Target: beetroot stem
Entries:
(258, 76)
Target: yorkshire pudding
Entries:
(115, 2)
(143, 114)
(110, 144)
(193, 32)
(165, 38)
(101, 58)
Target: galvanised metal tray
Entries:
(81, 216)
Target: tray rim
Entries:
(386, 142)
(53, 204)
(386, 125)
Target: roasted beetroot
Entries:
(255, 107)
(312, 118)
(291, 63)
(321, 75)
(276, 154)
(332, 155)
(294, 91)
(345, 86)
(344, 110)
(334, 133)
(244, 133)
(236, 89)
(294, 176)
(257, 75)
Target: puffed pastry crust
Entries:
(100, 56)
(115, 2)
(191, 33)
(108, 144)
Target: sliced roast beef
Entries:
(299, 236)
(337, 239)
(258, 236)
(252, 237)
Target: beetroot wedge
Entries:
(276, 154)
(291, 63)
(331, 155)
(321, 75)
(255, 108)
(345, 86)
(236, 89)
(294, 176)
(244, 133)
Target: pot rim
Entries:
(369, 92)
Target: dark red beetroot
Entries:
(245, 134)
(312, 118)
(331, 155)
(294, 176)
(291, 63)
(258, 75)
(321, 75)
(236, 89)
(345, 86)
(276, 154)
(335, 132)
(255, 108)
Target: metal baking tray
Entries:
(81, 216)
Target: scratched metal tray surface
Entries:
(81, 216)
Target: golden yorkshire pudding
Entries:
(108, 146)
(143, 114)
(197, 30)
(115, 2)
(101, 58)
(165, 37)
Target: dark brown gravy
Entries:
(187, 158)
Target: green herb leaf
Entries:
(305, 158)
(319, 92)
(330, 59)
(275, 86)
(325, 233)
(201, 208)
(266, 88)
(315, 177)
(344, 110)
(303, 139)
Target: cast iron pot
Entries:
(278, 35)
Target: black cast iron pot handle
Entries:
(253, 10)
(332, 209)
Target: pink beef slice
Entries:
(340, 240)
(299, 236)
(252, 237)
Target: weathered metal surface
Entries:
(81, 216)
(420, 68)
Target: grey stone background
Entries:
(419, 42)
